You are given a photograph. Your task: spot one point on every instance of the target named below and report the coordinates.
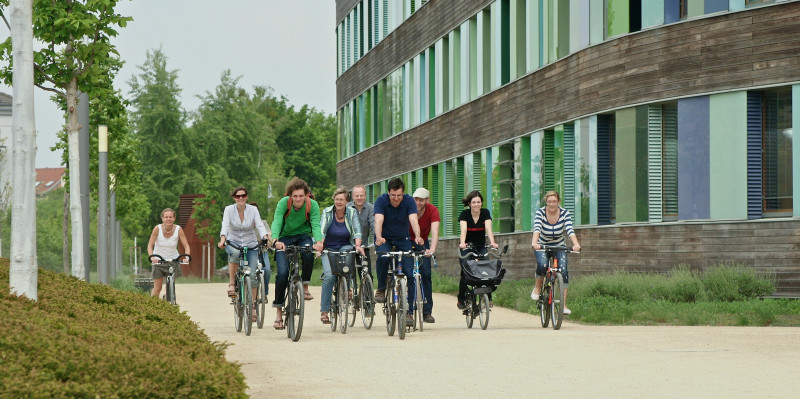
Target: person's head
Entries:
(474, 200)
(168, 215)
(239, 196)
(396, 188)
(551, 198)
(359, 195)
(421, 196)
(340, 198)
(297, 189)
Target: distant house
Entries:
(48, 179)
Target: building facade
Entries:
(666, 125)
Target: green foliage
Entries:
(95, 341)
(736, 282)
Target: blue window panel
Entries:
(672, 11)
(604, 163)
(754, 176)
(712, 6)
(693, 163)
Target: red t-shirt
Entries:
(431, 215)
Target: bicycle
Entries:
(363, 294)
(396, 305)
(261, 285)
(419, 296)
(482, 277)
(551, 298)
(341, 303)
(170, 267)
(243, 300)
(294, 304)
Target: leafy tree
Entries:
(77, 56)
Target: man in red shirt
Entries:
(428, 216)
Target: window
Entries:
(777, 150)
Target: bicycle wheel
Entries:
(389, 307)
(419, 300)
(557, 306)
(238, 310)
(333, 313)
(367, 302)
(402, 310)
(247, 303)
(344, 305)
(483, 307)
(468, 308)
(352, 299)
(260, 300)
(298, 310)
(171, 289)
(544, 310)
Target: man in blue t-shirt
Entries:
(394, 213)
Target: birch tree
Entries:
(23, 272)
(77, 56)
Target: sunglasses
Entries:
(239, 196)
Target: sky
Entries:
(287, 45)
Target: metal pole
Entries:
(83, 149)
(112, 233)
(118, 252)
(102, 207)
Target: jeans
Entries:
(252, 261)
(427, 284)
(328, 280)
(265, 267)
(383, 262)
(541, 264)
(282, 278)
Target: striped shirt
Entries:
(553, 234)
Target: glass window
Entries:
(777, 150)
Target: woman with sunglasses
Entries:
(240, 221)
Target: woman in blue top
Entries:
(341, 230)
(551, 227)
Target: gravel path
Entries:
(513, 358)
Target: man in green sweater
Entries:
(296, 222)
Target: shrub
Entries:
(736, 282)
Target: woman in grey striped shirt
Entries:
(551, 227)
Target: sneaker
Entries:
(379, 297)
(461, 305)
(428, 319)
(534, 295)
(567, 311)
(409, 320)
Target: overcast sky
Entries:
(288, 45)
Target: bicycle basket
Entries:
(483, 272)
(341, 264)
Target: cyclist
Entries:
(394, 213)
(475, 223)
(296, 222)
(366, 216)
(240, 222)
(164, 242)
(551, 226)
(341, 231)
(428, 225)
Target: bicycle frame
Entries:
(243, 303)
(171, 266)
(550, 303)
(477, 300)
(294, 302)
(396, 304)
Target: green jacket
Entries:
(296, 223)
(351, 221)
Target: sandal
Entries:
(308, 296)
(231, 290)
(278, 325)
(254, 316)
(324, 318)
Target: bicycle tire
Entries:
(557, 306)
(468, 308)
(247, 303)
(344, 305)
(333, 311)
(171, 290)
(351, 303)
(237, 308)
(390, 308)
(261, 300)
(419, 300)
(367, 302)
(544, 310)
(296, 311)
(402, 310)
(483, 307)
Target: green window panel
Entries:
(517, 44)
(433, 81)
(549, 165)
(562, 43)
(695, 8)
(568, 195)
(438, 174)
(558, 159)
(473, 58)
(361, 126)
(435, 189)
(478, 172)
(670, 162)
(586, 139)
(596, 25)
(796, 150)
(441, 100)
(533, 34)
(449, 194)
(525, 189)
(503, 178)
(339, 135)
(455, 77)
(631, 170)
(652, 13)
(654, 157)
(485, 58)
(505, 42)
(727, 149)
(777, 151)
(356, 33)
(460, 193)
(617, 17)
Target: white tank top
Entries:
(167, 247)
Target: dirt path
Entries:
(514, 358)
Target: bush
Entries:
(736, 282)
(89, 340)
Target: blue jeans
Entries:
(252, 261)
(282, 278)
(427, 284)
(382, 264)
(541, 264)
(265, 267)
(328, 280)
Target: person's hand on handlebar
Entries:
(379, 241)
(279, 246)
(536, 246)
(318, 247)
(576, 248)
(462, 245)
(153, 260)
(494, 245)
(420, 241)
(221, 243)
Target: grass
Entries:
(725, 295)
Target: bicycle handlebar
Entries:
(411, 253)
(495, 253)
(562, 247)
(176, 259)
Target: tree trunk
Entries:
(76, 210)
(65, 234)
(23, 272)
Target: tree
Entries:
(23, 271)
(77, 56)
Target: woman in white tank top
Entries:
(164, 242)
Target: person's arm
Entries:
(434, 236)
(488, 225)
(277, 219)
(263, 233)
(371, 219)
(535, 241)
(414, 220)
(316, 231)
(223, 233)
(537, 228)
(379, 240)
(571, 232)
(463, 237)
(184, 242)
(153, 237)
